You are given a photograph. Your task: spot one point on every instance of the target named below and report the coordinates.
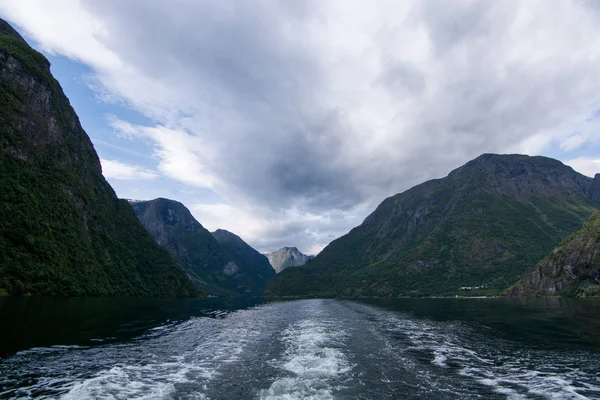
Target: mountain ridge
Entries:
(215, 268)
(485, 224)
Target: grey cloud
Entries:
(402, 79)
(460, 22)
(304, 234)
(236, 54)
(234, 49)
(302, 109)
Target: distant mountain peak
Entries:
(287, 257)
(225, 233)
(290, 248)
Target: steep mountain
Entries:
(572, 269)
(484, 225)
(63, 230)
(595, 189)
(215, 269)
(287, 257)
(245, 255)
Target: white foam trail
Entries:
(518, 382)
(124, 383)
(314, 360)
(152, 381)
(518, 375)
(155, 378)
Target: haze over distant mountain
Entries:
(218, 269)
(287, 257)
(63, 230)
(484, 225)
(572, 269)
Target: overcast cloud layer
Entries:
(303, 115)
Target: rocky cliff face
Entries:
(484, 225)
(63, 230)
(287, 257)
(214, 268)
(572, 269)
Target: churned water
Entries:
(304, 349)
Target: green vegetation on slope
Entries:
(482, 228)
(63, 232)
(572, 269)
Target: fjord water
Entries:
(302, 349)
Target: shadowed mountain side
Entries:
(243, 254)
(220, 270)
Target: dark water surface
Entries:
(304, 349)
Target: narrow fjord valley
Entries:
(483, 284)
(476, 231)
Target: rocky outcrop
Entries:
(287, 257)
(572, 269)
(63, 230)
(220, 270)
(483, 226)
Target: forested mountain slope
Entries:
(63, 230)
(484, 225)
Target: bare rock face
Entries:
(287, 257)
(230, 268)
(572, 269)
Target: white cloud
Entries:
(585, 165)
(291, 110)
(268, 230)
(113, 169)
(222, 216)
(177, 151)
(64, 27)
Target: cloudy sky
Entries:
(287, 122)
